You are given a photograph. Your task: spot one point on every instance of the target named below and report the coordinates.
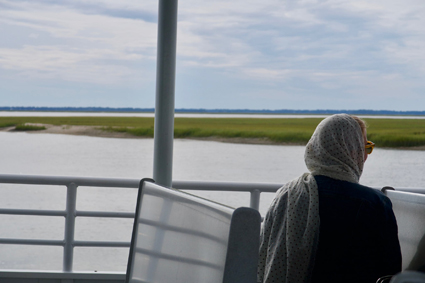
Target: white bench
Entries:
(178, 237)
(409, 210)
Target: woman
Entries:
(324, 226)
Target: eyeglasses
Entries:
(369, 147)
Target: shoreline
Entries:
(96, 131)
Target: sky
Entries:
(239, 54)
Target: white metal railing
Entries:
(70, 213)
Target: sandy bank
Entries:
(91, 131)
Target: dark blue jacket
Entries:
(358, 239)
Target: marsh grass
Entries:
(138, 132)
(397, 132)
(384, 132)
(6, 125)
(24, 127)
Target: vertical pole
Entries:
(71, 208)
(165, 82)
(255, 199)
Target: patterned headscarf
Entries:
(290, 232)
(336, 149)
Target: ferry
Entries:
(223, 244)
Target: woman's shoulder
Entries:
(330, 186)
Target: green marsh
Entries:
(384, 132)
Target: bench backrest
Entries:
(178, 237)
(409, 210)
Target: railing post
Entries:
(255, 199)
(71, 209)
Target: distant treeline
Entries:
(218, 111)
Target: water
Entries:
(49, 154)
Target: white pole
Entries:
(165, 82)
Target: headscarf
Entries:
(336, 149)
(290, 232)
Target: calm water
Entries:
(48, 154)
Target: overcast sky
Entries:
(239, 54)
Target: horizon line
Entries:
(204, 110)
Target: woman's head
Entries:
(336, 148)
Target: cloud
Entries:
(79, 47)
(331, 34)
(334, 48)
(69, 64)
(121, 9)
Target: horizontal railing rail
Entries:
(70, 213)
(57, 276)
